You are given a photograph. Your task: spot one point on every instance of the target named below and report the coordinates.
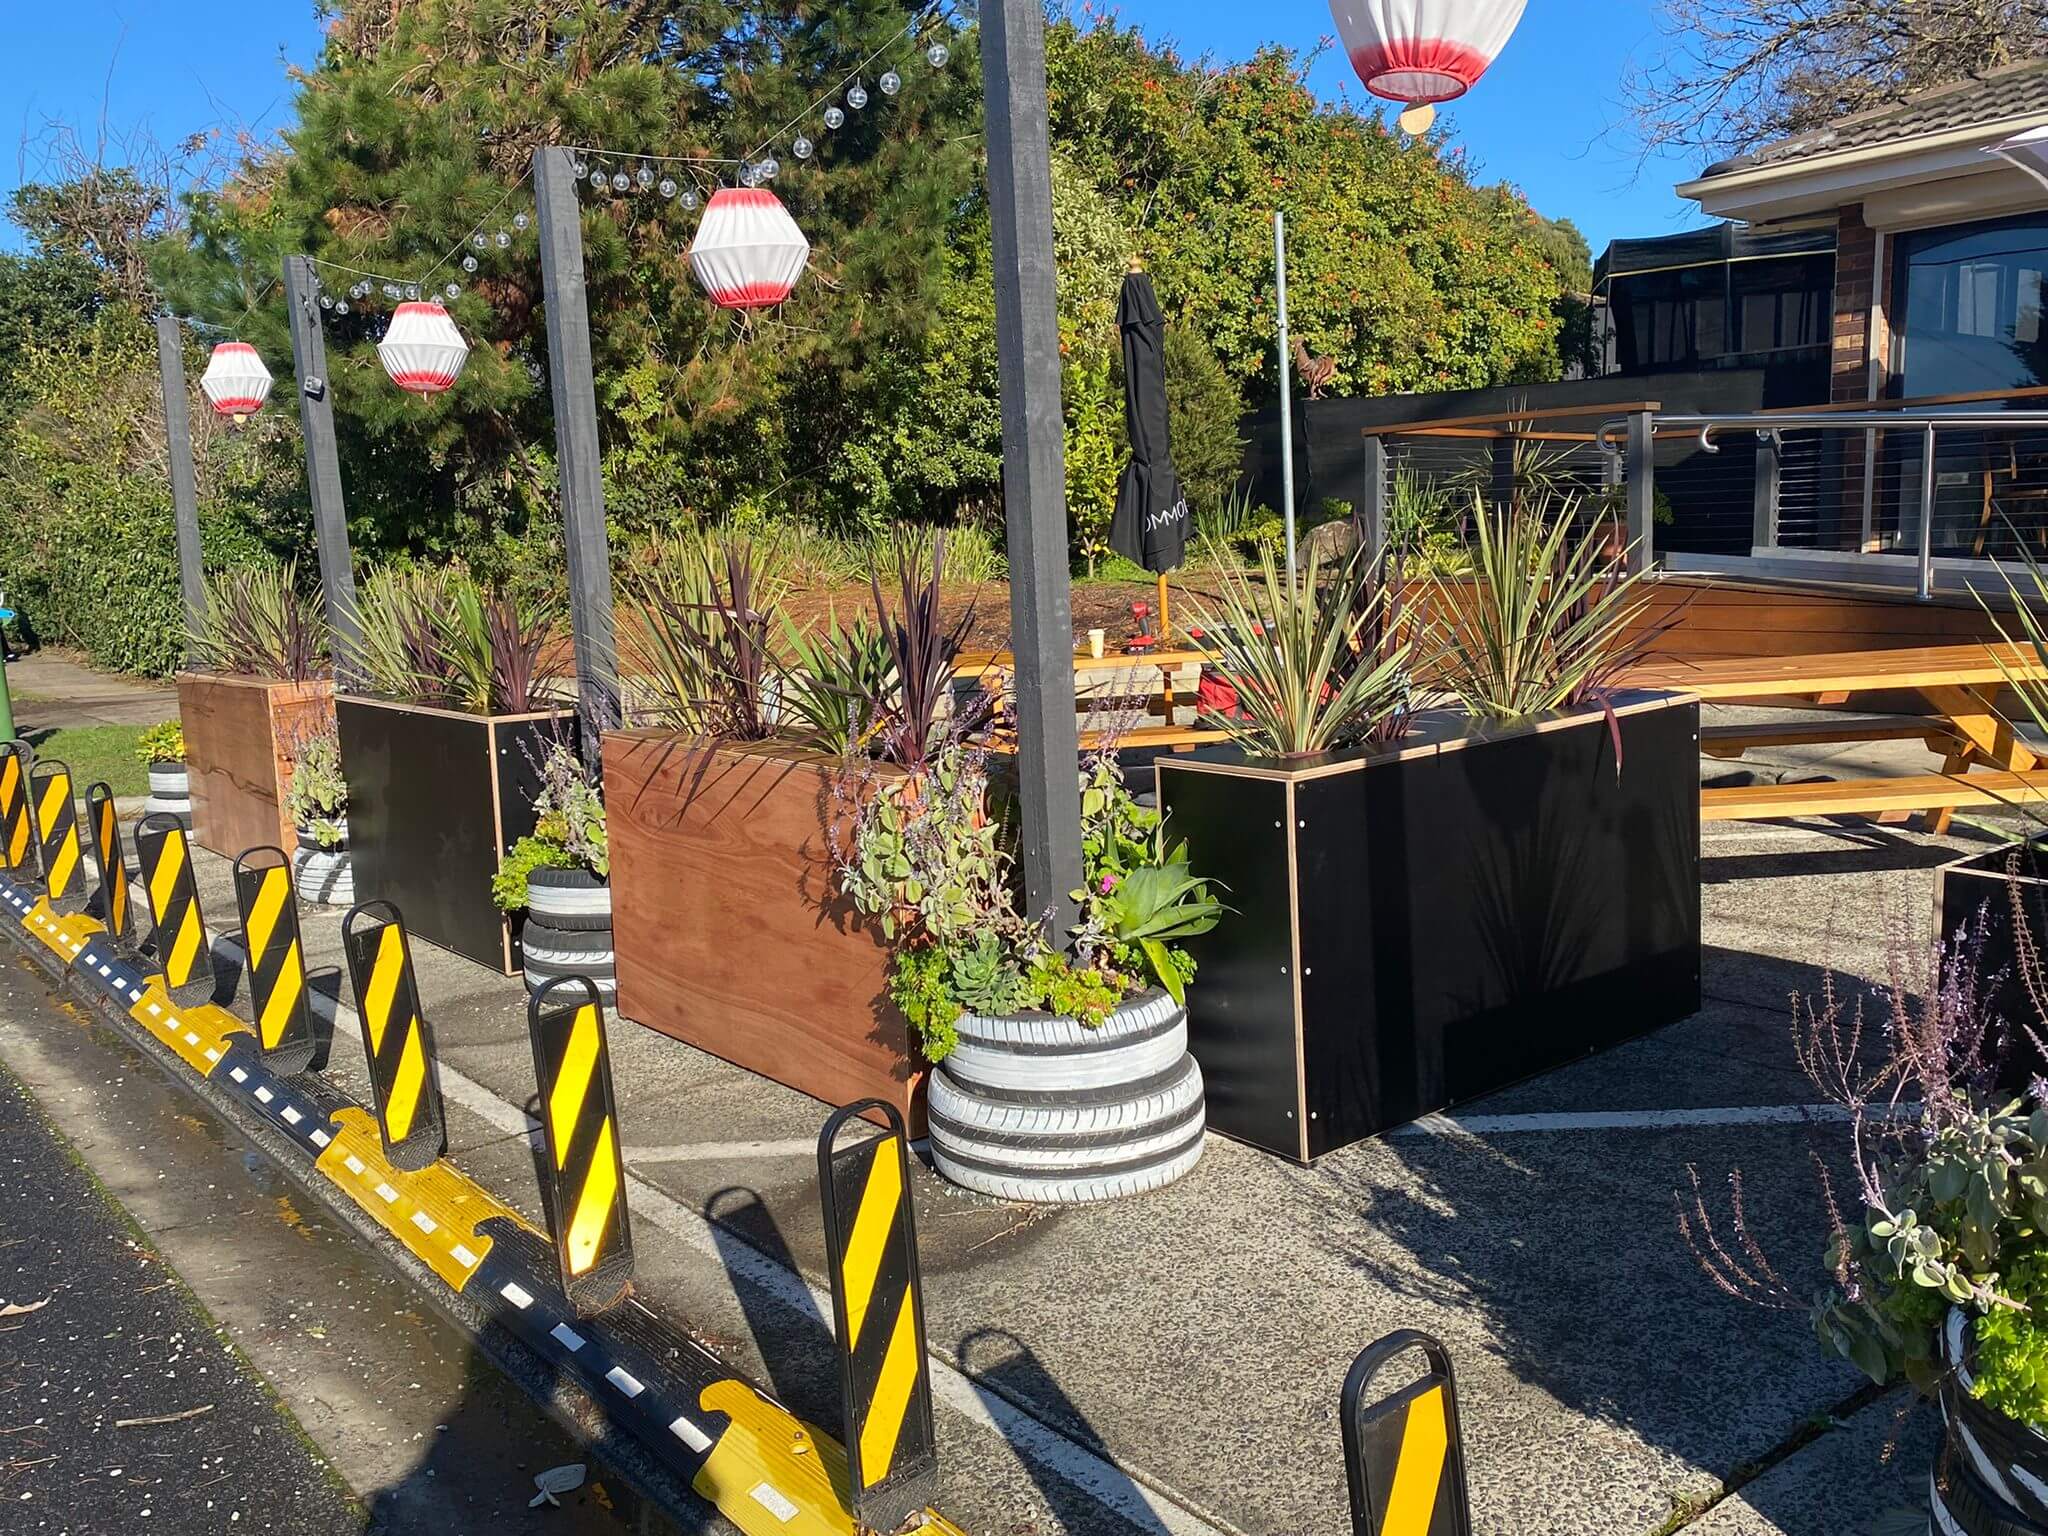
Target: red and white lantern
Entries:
(235, 382)
(422, 350)
(1424, 51)
(748, 253)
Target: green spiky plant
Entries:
(258, 623)
(439, 637)
(1288, 647)
(833, 680)
(706, 604)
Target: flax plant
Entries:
(1316, 663)
(705, 603)
(1544, 621)
(259, 624)
(437, 637)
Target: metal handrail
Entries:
(1774, 424)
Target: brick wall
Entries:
(1855, 307)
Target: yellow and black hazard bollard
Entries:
(56, 810)
(177, 935)
(580, 1123)
(17, 845)
(1404, 1453)
(278, 999)
(113, 908)
(405, 1077)
(892, 1450)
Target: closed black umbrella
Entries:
(1151, 524)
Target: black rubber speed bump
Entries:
(1403, 1452)
(177, 935)
(112, 906)
(580, 1122)
(56, 811)
(405, 1077)
(17, 843)
(892, 1449)
(278, 997)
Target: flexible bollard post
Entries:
(56, 812)
(586, 1168)
(892, 1450)
(177, 936)
(17, 845)
(113, 906)
(1404, 1453)
(405, 1076)
(278, 999)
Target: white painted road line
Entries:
(1633, 1120)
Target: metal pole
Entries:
(1373, 508)
(170, 359)
(578, 455)
(1927, 512)
(1763, 533)
(1286, 388)
(1642, 488)
(323, 462)
(1034, 457)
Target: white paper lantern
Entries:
(748, 253)
(235, 382)
(1424, 51)
(422, 350)
(2028, 151)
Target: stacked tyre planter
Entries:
(325, 876)
(170, 792)
(1991, 1475)
(568, 929)
(1041, 1108)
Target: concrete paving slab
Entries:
(1864, 1476)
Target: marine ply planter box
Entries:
(241, 736)
(1974, 914)
(728, 925)
(436, 799)
(1414, 929)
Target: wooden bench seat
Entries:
(1730, 741)
(1898, 797)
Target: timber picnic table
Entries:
(1983, 762)
(982, 665)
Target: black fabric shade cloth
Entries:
(1151, 523)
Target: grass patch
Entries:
(96, 752)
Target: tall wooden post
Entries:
(170, 357)
(1034, 456)
(323, 462)
(578, 456)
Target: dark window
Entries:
(1972, 300)
(1704, 314)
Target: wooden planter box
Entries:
(241, 734)
(1415, 929)
(436, 799)
(730, 931)
(1973, 915)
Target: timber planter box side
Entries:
(728, 925)
(1413, 930)
(241, 735)
(436, 799)
(1974, 916)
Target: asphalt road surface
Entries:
(122, 1408)
(202, 1348)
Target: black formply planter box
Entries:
(436, 799)
(1974, 900)
(1411, 930)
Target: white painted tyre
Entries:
(568, 898)
(325, 877)
(549, 952)
(170, 792)
(1037, 1052)
(1049, 1111)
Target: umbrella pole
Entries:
(1165, 629)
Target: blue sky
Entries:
(1544, 118)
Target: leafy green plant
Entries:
(568, 833)
(1544, 623)
(1139, 898)
(259, 623)
(920, 985)
(1286, 645)
(833, 682)
(706, 603)
(508, 885)
(317, 796)
(1087, 994)
(2011, 1365)
(1156, 905)
(162, 743)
